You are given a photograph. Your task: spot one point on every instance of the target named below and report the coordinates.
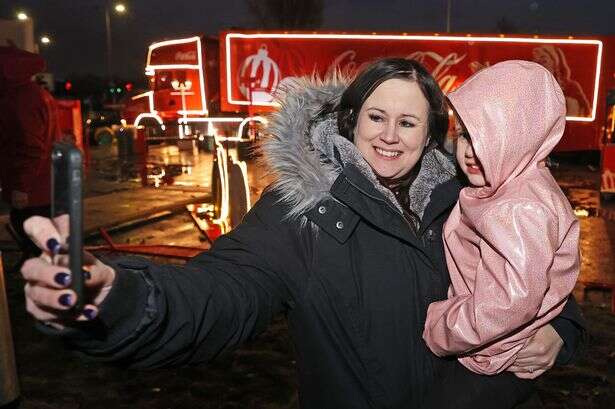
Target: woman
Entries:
(346, 241)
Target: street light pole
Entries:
(119, 8)
(108, 27)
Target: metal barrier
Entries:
(158, 250)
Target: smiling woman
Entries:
(395, 114)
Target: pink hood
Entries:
(511, 247)
(518, 110)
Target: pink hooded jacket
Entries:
(512, 247)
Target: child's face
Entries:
(468, 162)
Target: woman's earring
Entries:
(427, 141)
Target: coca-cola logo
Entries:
(184, 56)
(259, 76)
(439, 65)
(443, 64)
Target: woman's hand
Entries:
(539, 354)
(48, 294)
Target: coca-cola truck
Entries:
(202, 87)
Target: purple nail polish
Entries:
(89, 313)
(86, 274)
(66, 300)
(62, 278)
(53, 245)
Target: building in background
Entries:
(19, 33)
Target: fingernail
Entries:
(53, 245)
(89, 313)
(62, 278)
(66, 300)
(86, 274)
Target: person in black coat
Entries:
(346, 242)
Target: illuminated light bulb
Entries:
(45, 40)
(22, 16)
(120, 8)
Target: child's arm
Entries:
(519, 240)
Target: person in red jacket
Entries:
(28, 128)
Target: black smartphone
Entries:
(67, 198)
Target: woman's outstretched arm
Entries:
(156, 315)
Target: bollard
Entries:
(9, 387)
(140, 151)
(125, 139)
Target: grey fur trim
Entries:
(436, 168)
(304, 165)
(301, 176)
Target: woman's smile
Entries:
(387, 154)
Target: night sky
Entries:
(77, 27)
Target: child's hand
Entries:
(539, 354)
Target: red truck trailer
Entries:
(222, 87)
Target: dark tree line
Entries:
(287, 14)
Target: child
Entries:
(512, 240)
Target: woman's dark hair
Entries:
(385, 69)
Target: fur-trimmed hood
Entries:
(306, 157)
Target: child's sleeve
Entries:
(519, 240)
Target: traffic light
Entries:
(128, 86)
(68, 86)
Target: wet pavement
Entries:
(167, 167)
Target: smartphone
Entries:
(67, 198)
